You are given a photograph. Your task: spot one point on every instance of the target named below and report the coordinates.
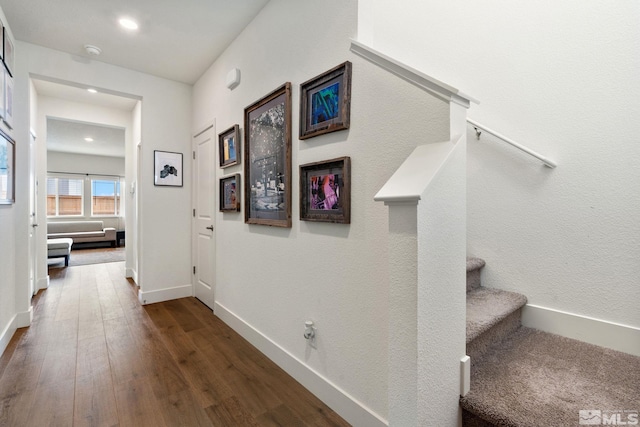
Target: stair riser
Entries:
(471, 420)
(473, 280)
(477, 348)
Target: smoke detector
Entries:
(92, 50)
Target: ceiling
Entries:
(67, 136)
(177, 40)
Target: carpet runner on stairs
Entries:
(524, 377)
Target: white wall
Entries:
(337, 275)
(84, 163)
(562, 78)
(166, 213)
(14, 238)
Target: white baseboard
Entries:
(24, 318)
(43, 283)
(593, 331)
(152, 297)
(130, 273)
(346, 406)
(20, 320)
(7, 334)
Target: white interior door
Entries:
(204, 144)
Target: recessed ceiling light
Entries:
(88, 139)
(92, 90)
(128, 23)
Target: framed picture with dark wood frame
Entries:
(7, 115)
(167, 169)
(267, 159)
(1, 39)
(230, 193)
(8, 54)
(229, 146)
(325, 191)
(325, 102)
(7, 169)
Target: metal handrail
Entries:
(547, 162)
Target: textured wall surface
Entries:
(563, 80)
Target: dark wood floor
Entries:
(94, 357)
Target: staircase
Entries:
(525, 377)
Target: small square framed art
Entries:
(229, 146)
(168, 171)
(325, 191)
(230, 193)
(325, 102)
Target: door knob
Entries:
(210, 227)
(34, 225)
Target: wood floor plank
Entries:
(127, 362)
(92, 357)
(230, 412)
(280, 416)
(53, 405)
(163, 373)
(14, 407)
(181, 409)
(95, 401)
(59, 363)
(137, 406)
(185, 318)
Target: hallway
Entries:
(94, 357)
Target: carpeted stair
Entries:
(524, 377)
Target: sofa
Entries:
(82, 231)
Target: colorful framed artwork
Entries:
(7, 169)
(230, 193)
(325, 102)
(229, 146)
(167, 170)
(267, 159)
(8, 54)
(325, 191)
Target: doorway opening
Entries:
(85, 169)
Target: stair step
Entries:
(534, 378)
(474, 265)
(492, 314)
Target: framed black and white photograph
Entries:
(229, 146)
(267, 159)
(168, 169)
(8, 54)
(230, 193)
(7, 169)
(325, 102)
(325, 191)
